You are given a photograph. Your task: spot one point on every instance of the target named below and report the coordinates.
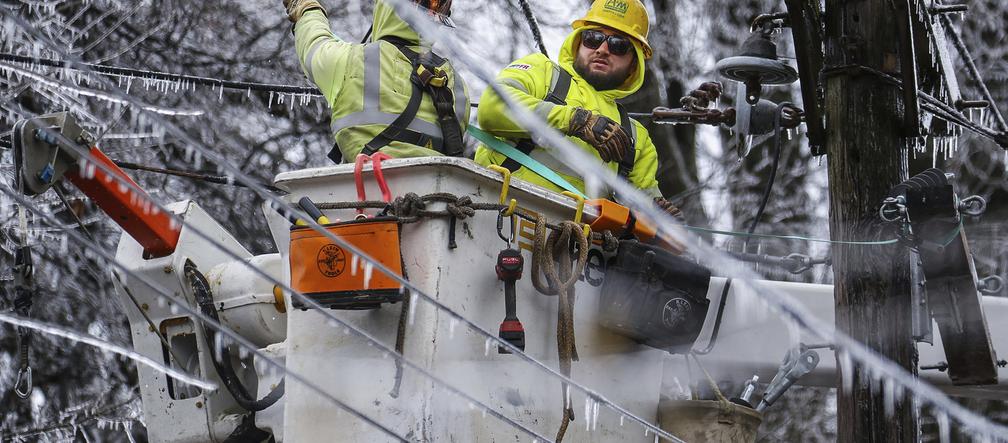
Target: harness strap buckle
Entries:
(431, 77)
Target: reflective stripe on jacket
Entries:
(367, 86)
(528, 81)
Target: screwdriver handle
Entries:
(309, 206)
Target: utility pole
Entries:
(866, 151)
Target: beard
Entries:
(601, 81)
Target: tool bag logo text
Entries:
(331, 260)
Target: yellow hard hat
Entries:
(626, 16)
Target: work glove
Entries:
(669, 208)
(297, 8)
(601, 133)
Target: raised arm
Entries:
(323, 56)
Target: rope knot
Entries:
(408, 205)
(461, 208)
(609, 241)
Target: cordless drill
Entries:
(509, 270)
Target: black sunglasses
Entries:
(618, 45)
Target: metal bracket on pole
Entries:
(805, 19)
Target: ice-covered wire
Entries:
(971, 68)
(90, 340)
(133, 44)
(76, 89)
(115, 26)
(156, 75)
(71, 420)
(533, 25)
(929, 103)
(793, 311)
(490, 336)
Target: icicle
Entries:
(368, 268)
(944, 435)
(128, 430)
(888, 400)
(451, 328)
(353, 264)
(587, 414)
(270, 105)
(595, 407)
(218, 346)
(220, 94)
(846, 370)
(486, 346)
(412, 311)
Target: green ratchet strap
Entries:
(523, 158)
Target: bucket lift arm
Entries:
(49, 148)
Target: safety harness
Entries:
(426, 77)
(557, 94)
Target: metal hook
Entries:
(893, 205)
(990, 285)
(500, 227)
(797, 263)
(580, 205)
(973, 205)
(23, 386)
(505, 187)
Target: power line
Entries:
(930, 103)
(155, 75)
(533, 25)
(972, 70)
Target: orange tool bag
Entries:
(334, 277)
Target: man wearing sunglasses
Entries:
(600, 62)
(377, 90)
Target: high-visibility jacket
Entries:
(368, 85)
(528, 80)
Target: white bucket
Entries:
(361, 376)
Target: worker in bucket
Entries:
(600, 62)
(392, 94)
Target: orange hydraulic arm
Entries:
(45, 154)
(617, 218)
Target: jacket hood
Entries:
(633, 82)
(387, 23)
